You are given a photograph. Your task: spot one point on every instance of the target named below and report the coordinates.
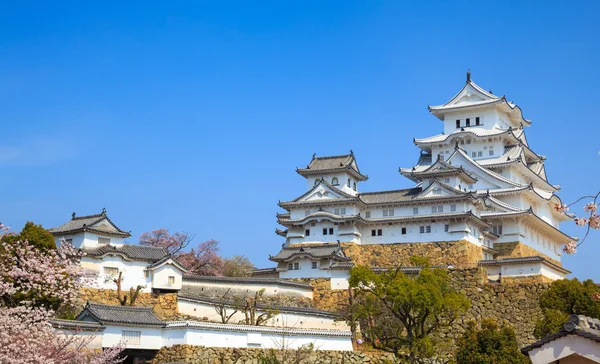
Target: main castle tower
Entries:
(478, 183)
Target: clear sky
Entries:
(193, 116)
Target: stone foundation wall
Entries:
(164, 305)
(460, 254)
(204, 355)
(324, 298)
(518, 249)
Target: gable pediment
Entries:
(437, 189)
(105, 225)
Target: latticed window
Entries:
(111, 271)
(171, 279)
(131, 337)
(334, 181)
(103, 241)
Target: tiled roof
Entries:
(166, 258)
(389, 196)
(249, 328)
(284, 309)
(124, 315)
(580, 325)
(246, 280)
(318, 215)
(341, 266)
(428, 217)
(264, 271)
(331, 164)
(86, 224)
(522, 260)
(288, 253)
(133, 252)
(475, 131)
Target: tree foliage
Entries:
(492, 344)
(237, 266)
(35, 235)
(566, 297)
(402, 312)
(34, 283)
(203, 259)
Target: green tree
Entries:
(36, 235)
(237, 266)
(492, 344)
(566, 297)
(411, 308)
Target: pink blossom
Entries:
(561, 208)
(596, 296)
(570, 247)
(580, 221)
(590, 207)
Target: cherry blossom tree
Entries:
(161, 238)
(201, 260)
(33, 284)
(591, 220)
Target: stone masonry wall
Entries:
(324, 298)
(163, 305)
(518, 249)
(203, 355)
(462, 254)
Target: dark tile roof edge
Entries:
(571, 327)
(91, 307)
(517, 260)
(247, 280)
(77, 325)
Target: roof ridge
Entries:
(88, 216)
(387, 191)
(335, 156)
(125, 308)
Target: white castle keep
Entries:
(479, 181)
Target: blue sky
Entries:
(193, 116)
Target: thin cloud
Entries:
(37, 151)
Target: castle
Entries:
(478, 181)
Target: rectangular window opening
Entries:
(477, 121)
(111, 271)
(324, 231)
(307, 232)
(379, 232)
(103, 241)
(403, 231)
(446, 228)
(467, 122)
(131, 337)
(296, 266)
(428, 229)
(314, 265)
(457, 124)
(330, 231)
(368, 214)
(171, 279)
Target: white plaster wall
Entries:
(564, 347)
(160, 277)
(305, 270)
(552, 273)
(250, 289)
(488, 117)
(151, 338)
(133, 272)
(339, 279)
(342, 179)
(92, 338)
(214, 338)
(88, 240)
(207, 312)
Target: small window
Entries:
(497, 229)
(131, 337)
(415, 210)
(103, 241)
(473, 154)
(467, 122)
(457, 124)
(480, 153)
(334, 181)
(290, 266)
(421, 229)
(446, 228)
(343, 210)
(354, 186)
(324, 231)
(468, 141)
(316, 182)
(330, 231)
(171, 279)
(403, 231)
(368, 214)
(440, 208)
(379, 232)
(111, 271)
(437, 191)
(296, 266)
(447, 180)
(69, 241)
(452, 208)
(391, 213)
(307, 212)
(307, 232)
(348, 182)
(477, 121)
(491, 152)
(373, 233)
(428, 229)
(313, 265)
(433, 209)
(385, 213)
(336, 211)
